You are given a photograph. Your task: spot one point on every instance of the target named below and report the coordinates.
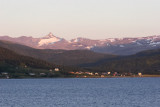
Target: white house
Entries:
(96, 73)
(139, 74)
(56, 69)
(32, 74)
(4, 73)
(108, 73)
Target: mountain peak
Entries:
(49, 39)
(50, 35)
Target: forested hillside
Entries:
(19, 66)
(60, 57)
(147, 62)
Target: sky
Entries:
(95, 19)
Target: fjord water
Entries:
(80, 92)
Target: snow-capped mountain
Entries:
(121, 46)
(48, 39)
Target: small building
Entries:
(79, 72)
(96, 73)
(56, 69)
(76, 72)
(85, 76)
(4, 73)
(90, 73)
(87, 72)
(108, 73)
(139, 74)
(102, 76)
(32, 74)
(42, 74)
(115, 74)
(71, 72)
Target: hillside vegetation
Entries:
(147, 62)
(19, 66)
(60, 57)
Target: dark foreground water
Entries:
(106, 92)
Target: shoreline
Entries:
(143, 76)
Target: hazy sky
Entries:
(96, 19)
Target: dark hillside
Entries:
(61, 57)
(147, 62)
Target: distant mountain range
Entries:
(61, 57)
(118, 46)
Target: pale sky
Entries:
(95, 19)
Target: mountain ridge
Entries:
(119, 46)
(60, 57)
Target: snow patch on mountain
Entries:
(77, 45)
(102, 40)
(75, 40)
(48, 41)
(89, 47)
(155, 43)
(111, 40)
(120, 38)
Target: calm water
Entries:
(107, 92)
